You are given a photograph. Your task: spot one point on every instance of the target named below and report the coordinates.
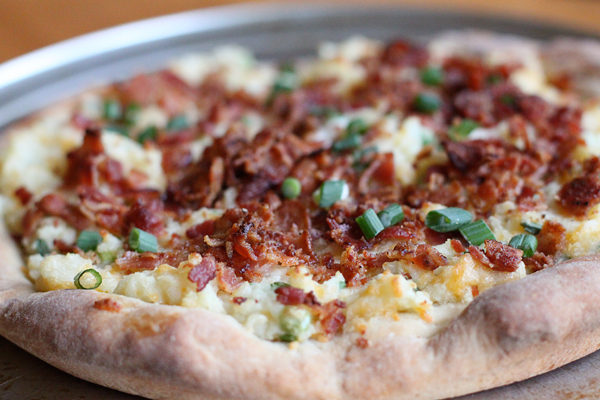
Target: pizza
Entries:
(392, 220)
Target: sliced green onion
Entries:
(508, 100)
(91, 271)
(330, 192)
(463, 129)
(427, 103)
(477, 232)
(277, 285)
(291, 188)
(360, 153)
(369, 223)
(432, 76)
(286, 82)
(142, 241)
(494, 79)
(324, 111)
(357, 127)
(525, 242)
(349, 142)
(177, 123)
(41, 247)
(112, 110)
(391, 215)
(288, 337)
(149, 133)
(342, 285)
(531, 227)
(89, 240)
(121, 130)
(132, 113)
(447, 219)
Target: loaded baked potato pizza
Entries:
(386, 220)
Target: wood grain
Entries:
(26, 25)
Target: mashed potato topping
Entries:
(300, 199)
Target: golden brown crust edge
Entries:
(509, 333)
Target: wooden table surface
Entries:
(26, 25)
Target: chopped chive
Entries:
(427, 103)
(357, 127)
(91, 271)
(291, 188)
(112, 110)
(132, 113)
(360, 153)
(342, 285)
(531, 227)
(149, 133)
(463, 129)
(277, 285)
(508, 100)
(447, 219)
(121, 130)
(349, 142)
(41, 247)
(142, 241)
(369, 223)
(477, 232)
(288, 337)
(330, 192)
(391, 215)
(494, 79)
(89, 240)
(525, 242)
(177, 123)
(286, 82)
(432, 76)
(324, 111)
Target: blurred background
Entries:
(26, 25)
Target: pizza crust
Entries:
(509, 333)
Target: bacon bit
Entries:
(579, 195)
(429, 258)
(108, 305)
(400, 53)
(23, 195)
(479, 255)
(291, 296)
(503, 257)
(82, 162)
(133, 261)
(362, 342)
(475, 290)
(238, 300)
(552, 238)
(538, 262)
(145, 216)
(457, 246)
(331, 317)
(203, 273)
(227, 281)
(203, 229)
(434, 238)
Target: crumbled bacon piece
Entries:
(479, 255)
(457, 246)
(538, 262)
(108, 304)
(291, 296)
(362, 342)
(146, 216)
(23, 195)
(331, 317)
(203, 273)
(429, 258)
(552, 238)
(580, 194)
(502, 257)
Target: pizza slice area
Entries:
(376, 188)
